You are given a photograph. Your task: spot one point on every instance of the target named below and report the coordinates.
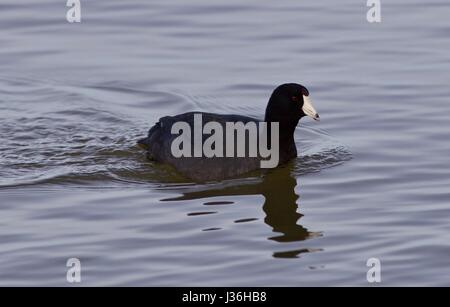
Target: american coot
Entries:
(288, 103)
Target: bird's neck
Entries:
(287, 147)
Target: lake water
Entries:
(372, 178)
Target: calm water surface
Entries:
(371, 180)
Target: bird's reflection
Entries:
(280, 205)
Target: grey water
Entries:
(372, 179)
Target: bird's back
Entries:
(160, 139)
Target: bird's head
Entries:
(290, 102)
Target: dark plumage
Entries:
(287, 105)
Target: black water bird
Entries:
(287, 105)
